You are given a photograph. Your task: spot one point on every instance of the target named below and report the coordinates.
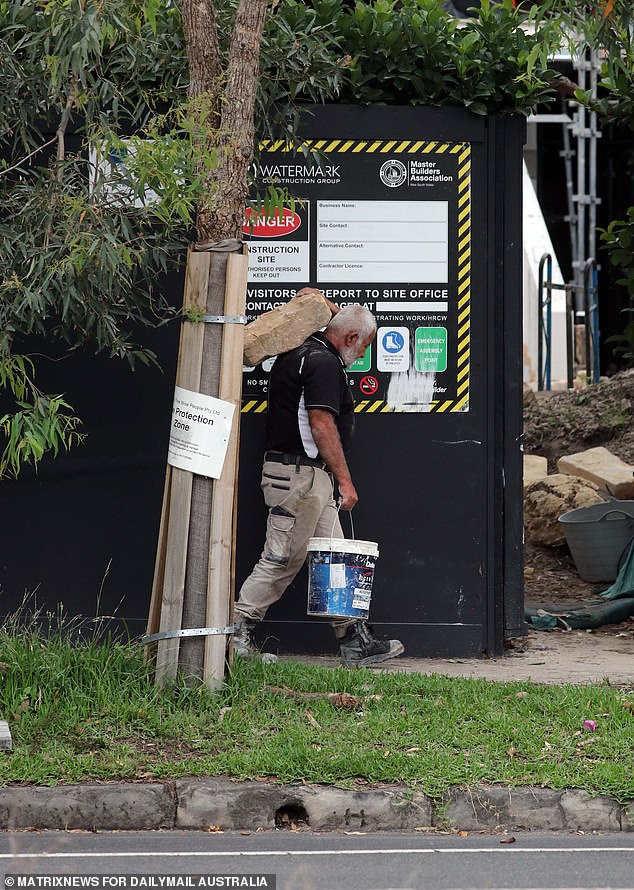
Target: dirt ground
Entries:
(556, 424)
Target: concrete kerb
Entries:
(248, 806)
(538, 809)
(264, 805)
(125, 806)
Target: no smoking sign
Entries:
(368, 385)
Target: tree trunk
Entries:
(223, 214)
(203, 53)
(228, 119)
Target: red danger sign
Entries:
(368, 385)
(271, 226)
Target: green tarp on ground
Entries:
(614, 604)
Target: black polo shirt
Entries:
(310, 376)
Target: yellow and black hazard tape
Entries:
(463, 351)
(367, 406)
(411, 146)
(366, 146)
(372, 406)
(253, 406)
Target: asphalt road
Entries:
(305, 861)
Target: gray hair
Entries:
(353, 318)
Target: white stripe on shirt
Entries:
(304, 429)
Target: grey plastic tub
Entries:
(598, 537)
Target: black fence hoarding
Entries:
(415, 212)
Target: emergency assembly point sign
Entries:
(199, 432)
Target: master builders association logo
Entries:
(393, 173)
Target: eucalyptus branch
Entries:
(64, 120)
(28, 157)
(61, 150)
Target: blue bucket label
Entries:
(342, 588)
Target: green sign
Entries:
(363, 363)
(431, 349)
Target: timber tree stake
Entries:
(192, 590)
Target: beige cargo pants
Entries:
(301, 506)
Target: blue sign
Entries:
(393, 342)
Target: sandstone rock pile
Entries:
(585, 478)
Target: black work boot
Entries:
(244, 645)
(359, 647)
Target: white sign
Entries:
(382, 241)
(392, 349)
(279, 246)
(199, 433)
(273, 261)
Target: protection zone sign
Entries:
(199, 432)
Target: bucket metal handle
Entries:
(335, 522)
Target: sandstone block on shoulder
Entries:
(545, 501)
(601, 467)
(535, 467)
(284, 328)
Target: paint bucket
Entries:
(340, 575)
(598, 537)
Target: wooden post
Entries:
(172, 549)
(154, 617)
(221, 531)
(192, 648)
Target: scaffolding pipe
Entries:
(580, 197)
(592, 172)
(567, 155)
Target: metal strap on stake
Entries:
(218, 319)
(187, 632)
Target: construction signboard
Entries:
(385, 223)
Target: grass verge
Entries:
(85, 710)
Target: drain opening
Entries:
(291, 816)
